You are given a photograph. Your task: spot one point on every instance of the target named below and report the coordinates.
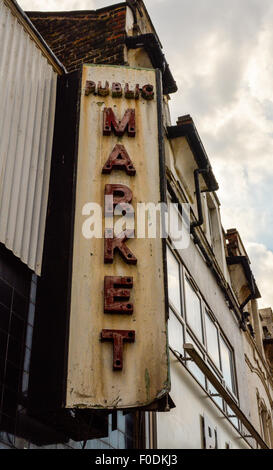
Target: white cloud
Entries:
(262, 264)
(57, 5)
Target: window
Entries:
(216, 397)
(193, 310)
(173, 281)
(265, 422)
(175, 229)
(175, 330)
(232, 418)
(227, 365)
(199, 327)
(212, 339)
(193, 367)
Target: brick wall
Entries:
(84, 36)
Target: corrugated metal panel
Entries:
(27, 109)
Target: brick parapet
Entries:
(84, 37)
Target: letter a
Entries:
(119, 160)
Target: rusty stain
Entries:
(147, 384)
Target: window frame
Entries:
(180, 283)
(234, 393)
(218, 370)
(203, 346)
(187, 278)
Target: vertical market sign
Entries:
(117, 355)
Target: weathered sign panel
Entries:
(118, 343)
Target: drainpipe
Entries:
(243, 322)
(198, 196)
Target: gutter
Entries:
(197, 172)
(151, 45)
(255, 293)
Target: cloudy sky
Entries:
(220, 53)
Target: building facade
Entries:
(219, 389)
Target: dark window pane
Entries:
(4, 318)
(2, 372)
(7, 429)
(12, 377)
(9, 404)
(5, 294)
(130, 425)
(17, 328)
(20, 305)
(14, 351)
(3, 344)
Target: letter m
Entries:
(110, 122)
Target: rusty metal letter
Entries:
(90, 87)
(110, 122)
(118, 337)
(103, 91)
(117, 294)
(121, 195)
(116, 90)
(147, 92)
(131, 94)
(111, 244)
(119, 160)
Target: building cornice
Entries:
(186, 128)
(150, 43)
